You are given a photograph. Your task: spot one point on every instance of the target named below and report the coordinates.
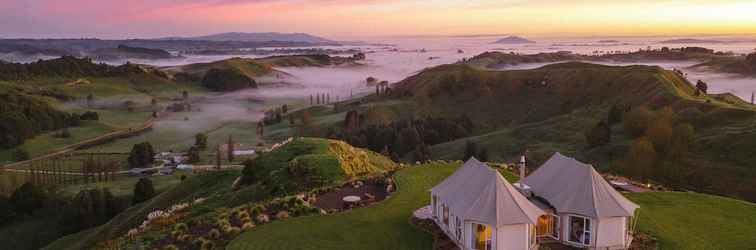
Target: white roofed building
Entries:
(479, 209)
(562, 201)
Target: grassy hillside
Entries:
(381, 226)
(249, 67)
(309, 162)
(330, 160)
(696, 221)
(205, 185)
(549, 109)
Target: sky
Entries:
(368, 18)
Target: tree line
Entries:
(399, 138)
(23, 116)
(65, 66)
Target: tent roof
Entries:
(477, 192)
(575, 187)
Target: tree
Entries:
(615, 114)
(641, 159)
(471, 150)
(193, 154)
(421, 152)
(701, 87)
(751, 59)
(285, 108)
(20, 154)
(200, 141)
(248, 172)
(90, 100)
(483, 155)
(143, 191)
(89, 208)
(599, 135)
(185, 95)
(27, 198)
(660, 134)
(230, 147)
(636, 121)
(681, 142)
(142, 155)
(7, 213)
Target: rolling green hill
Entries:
(276, 175)
(249, 67)
(550, 108)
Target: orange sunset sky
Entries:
(364, 18)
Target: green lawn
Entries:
(697, 221)
(382, 226)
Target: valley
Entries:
(318, 124)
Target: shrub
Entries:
(27, 198)
(214, 234)
(170, 247)
(232, 230)
(282, 215)
(636, 121)
(262, 218)
(143, 191)
(185, 237)
(20, 154)
(176, 234)
(207, 245)
(141, 155)
(248, 226)
(598, 135)
(182, 227)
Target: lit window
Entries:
(482, 237)
(446, 215)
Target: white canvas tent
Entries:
(590, 212)
(480, 210)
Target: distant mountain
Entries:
(258, 37)
(513, 40)
(690, 40)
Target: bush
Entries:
(214, 234)
(20, 154)
(28, 198)
(142, 155)
(599, 135)
(641, 159)
(636, 121)
(143, 191)
(282, 215)
(90, 116)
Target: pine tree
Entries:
(230, 149)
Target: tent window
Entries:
(482, 237)
(446, 215)
(555, 226)
(548, 225)
(580, 230)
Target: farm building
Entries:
(563, 201)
